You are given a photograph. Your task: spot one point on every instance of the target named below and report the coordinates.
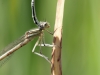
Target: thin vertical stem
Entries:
(56, 68)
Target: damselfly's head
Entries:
(44, 25)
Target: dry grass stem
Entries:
(56, 68)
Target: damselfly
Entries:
(27, 37)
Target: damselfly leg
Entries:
(40, 54)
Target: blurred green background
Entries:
(81, 34)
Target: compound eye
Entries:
(44, 25)
(47, 25)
